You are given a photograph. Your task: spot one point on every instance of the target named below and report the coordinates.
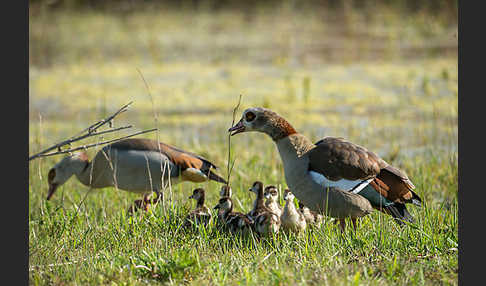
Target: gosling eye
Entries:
(250, 116)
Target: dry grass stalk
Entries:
(230, 168)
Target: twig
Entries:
(91, 132)
(156, 121)
(96, 144)
(102, 122)
(229, 141)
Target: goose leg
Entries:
(342, 224)
(353, 219)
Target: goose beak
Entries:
(238, 128)
(216, 207)
(52, 189)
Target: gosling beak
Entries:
(267, 196)
(52, 189)
(238, 128)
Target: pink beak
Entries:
(238, 128)
(52, 189)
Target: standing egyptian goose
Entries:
(311, 217)
(134, 165)
(292, 219)
(201, 214)
(235, 222)
(265, 221)
(333, 176)
(271, 202)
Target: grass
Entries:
(401, 105)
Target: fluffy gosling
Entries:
(201, 214)
(311, 217)
(265, 221)
(235, 222)
(271, 202)
(292, 220)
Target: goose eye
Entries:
(250, 116)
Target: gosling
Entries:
(272, 203)
(225, 191)
(266, 223)
(311, 217)
(235, 222)
(201, 214)
(292, 220)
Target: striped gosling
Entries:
(235, 222)
(266, 222)
(201, 214)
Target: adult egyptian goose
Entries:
(292, 219)
(134, 165)
(312, 218)
(201, 214)
(333, 176)
(271, 202)
(235, 222)
(265, 221)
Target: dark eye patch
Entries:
(250, 116)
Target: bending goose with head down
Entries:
(333, 176)
(134, 165)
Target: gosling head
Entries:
(301, 205)
(271, 193)
(197, 194)
(256, 187)
(288, 196)
(225, 191)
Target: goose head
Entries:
(64, 169)
(263, 120)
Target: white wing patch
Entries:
(194, 175)
(354, 186)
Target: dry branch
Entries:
(88, 132)
(96, 144)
